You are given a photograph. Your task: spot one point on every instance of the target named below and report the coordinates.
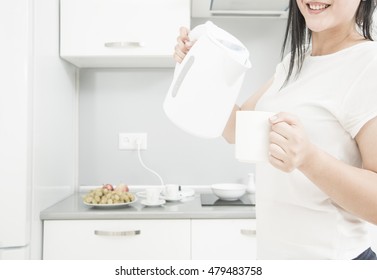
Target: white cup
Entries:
(172, 191)
(252, 136)
(153, 195)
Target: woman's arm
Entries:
(354, 189)
(230, 128)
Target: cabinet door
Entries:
(121, 32)
(117, 239)
(223, 239)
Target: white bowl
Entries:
(229, 192)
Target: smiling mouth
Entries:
(317, 6)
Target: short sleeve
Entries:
(360, 102)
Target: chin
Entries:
(317, 27)
(316, 30)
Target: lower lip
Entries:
(316, 12)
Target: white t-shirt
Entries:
(333, 96)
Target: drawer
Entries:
(223, 239)
(117, 239)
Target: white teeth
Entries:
(318, 7)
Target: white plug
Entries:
(132, 141)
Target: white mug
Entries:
(172, 191)
(252, 136)
(153, 195)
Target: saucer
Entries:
(178, 198)
(187, 192)
(158, 203)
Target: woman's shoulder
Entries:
(362, 48)
(368, 46)
(359, 55)
(364, 52)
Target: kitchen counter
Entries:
(72, 208)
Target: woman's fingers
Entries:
(183, 44)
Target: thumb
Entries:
(284, 117)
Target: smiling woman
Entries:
(318, 189)
(308, 18)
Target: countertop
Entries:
(73, 208)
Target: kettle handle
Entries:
(197, 31)
(182, 75)
(182, 69)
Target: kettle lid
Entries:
(228, 42)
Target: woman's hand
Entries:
(183, 45)
(355, 191)
(290, 147)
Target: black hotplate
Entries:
(209, 199)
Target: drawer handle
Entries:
(117, 233)
(249, 232)
(125, 44)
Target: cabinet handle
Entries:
(117, 233)
(125, 44)
(249, 232)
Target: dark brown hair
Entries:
(298, 36)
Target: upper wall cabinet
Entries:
(121, 33)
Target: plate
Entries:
(182, 194)
(117, 205)
(158, 203)
(187, 192)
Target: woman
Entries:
(320, 185)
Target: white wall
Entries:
(130, 100)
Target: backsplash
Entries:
(130, 100)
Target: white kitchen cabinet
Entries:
(223, 239)
(121, 33)
(116, 239)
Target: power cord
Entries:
(146, 167)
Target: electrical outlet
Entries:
(129, 141)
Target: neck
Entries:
(331, 41)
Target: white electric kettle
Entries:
(206, 84)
